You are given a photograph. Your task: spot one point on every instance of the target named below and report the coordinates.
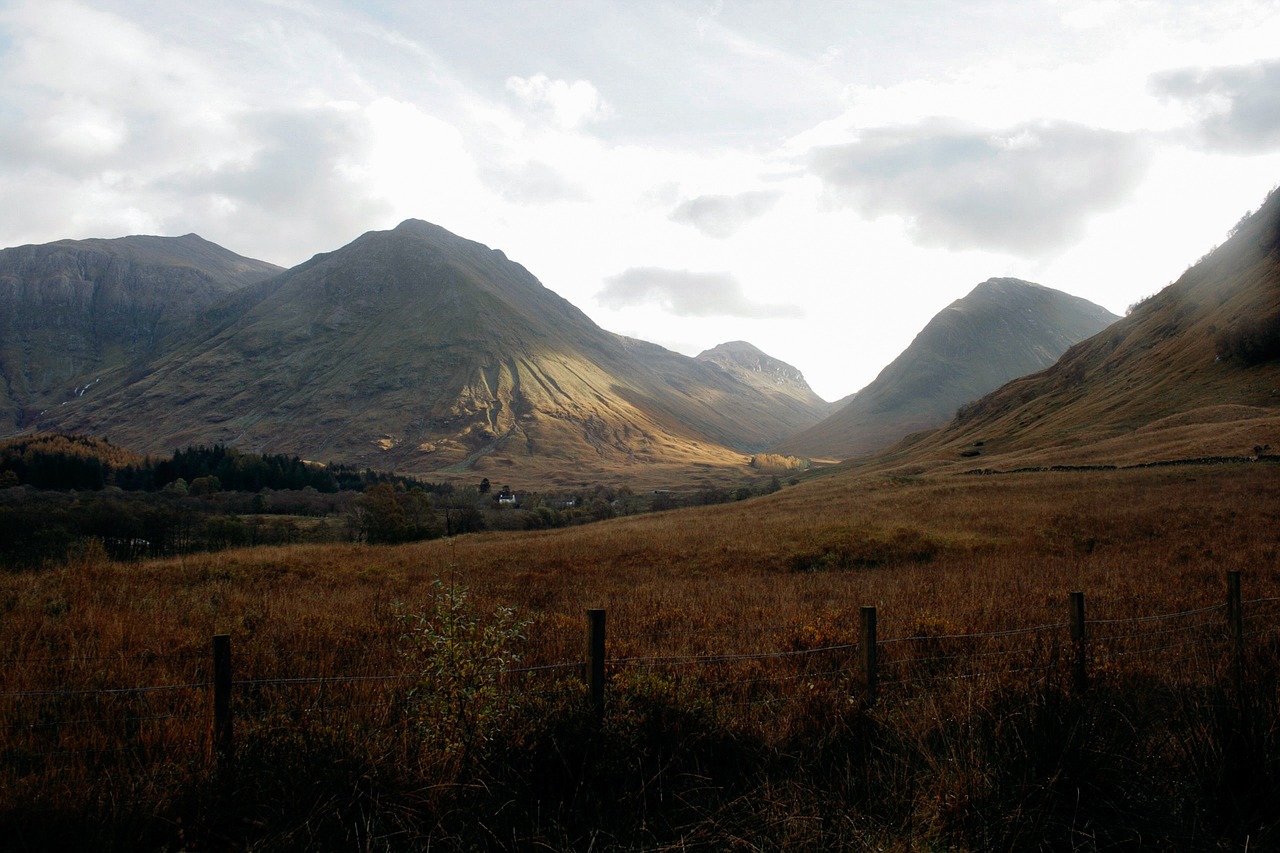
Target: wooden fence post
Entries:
(870, 671)
(1235, 627)
(223, 745)
(1080, 641)
(595, 660)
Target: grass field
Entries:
(734, 717)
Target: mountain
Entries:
(76, 310)
(770, 376)
(1192, 371)
(420, 351)
(1004, 328)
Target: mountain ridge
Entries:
(418, 350)
(1171, 380)
(74, 311)
(1003, 328)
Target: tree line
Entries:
(74, 462)
(59, 493)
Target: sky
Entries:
(817, 178)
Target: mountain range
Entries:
(420, 351)
(75, 310)
(411, 349)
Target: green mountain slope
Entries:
(76, 311)
(417, 350)
(1003, 329)
(1192, 371)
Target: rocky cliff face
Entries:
(73, 310)
(748, 362)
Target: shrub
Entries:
(865, 551)
(1253, 341)
(460, 660)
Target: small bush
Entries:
(1253, 341)
(866, 551)
(458, 702)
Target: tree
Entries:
(206, 485)
(384, 518)
(460, 512)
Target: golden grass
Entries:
(986, 551)
(938, 556)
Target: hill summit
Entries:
(75, 310)
(1191, 372)
(1004, 328)
(420, 351)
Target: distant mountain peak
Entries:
(1192, 358)
(439, 237)
(417, 349)
(421, 226)
(749, 357)
(735, 347)
(1006, 282)
(1005, 286)
(1004, 328)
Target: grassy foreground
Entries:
(428, 695)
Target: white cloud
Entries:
(688, 294)
(1238, 106)
(417, 161)
(78, 133)
(531, 182)
(1024, 189)
(307, 165)
(570, 104)
(721, 216)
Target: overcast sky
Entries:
(817, 178)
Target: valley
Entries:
(439, 692)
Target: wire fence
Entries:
(79, 710)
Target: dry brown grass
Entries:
(939, 556)
(983, 553)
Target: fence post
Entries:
(1235, 627)
(595, 660)
(870, 672)
(223, 746)
(1080, 640)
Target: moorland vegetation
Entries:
(429, 694)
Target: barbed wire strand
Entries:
(1176, 615)
(1178, 630)
(104, 691)
(646, 662)
(136, 656)
(1011, 632)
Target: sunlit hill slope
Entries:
(419, 351)
(1003, 329)
(1192, 371)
